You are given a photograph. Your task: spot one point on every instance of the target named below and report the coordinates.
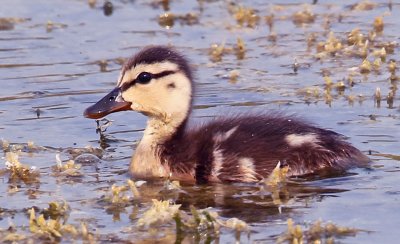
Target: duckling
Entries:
(158, 83)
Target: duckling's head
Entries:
(156, 82)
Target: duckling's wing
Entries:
(247, 149)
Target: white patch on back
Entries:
(220, 137)
(247, 170)
(297, 140)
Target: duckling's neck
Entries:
(147, 161)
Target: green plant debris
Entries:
(392, 66)
(18, 171)
(120, 197)
(275, 185)
(52, 229)
(245, 16)
(278, 176)
(172, 186)
(66, 169)
(167, 20)
(198, 221)
(57, 211)
(331, 46)
(391, 156)
(160, 212)
(240, 48)
(378, 24)
(364, 5)
(206, 222)
(303, 17)
(315, 233)
(11, 235)
(365, 67)
(216, 52)
(28, 147)
(234, 76)
(4, 144)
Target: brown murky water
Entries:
(57, 57)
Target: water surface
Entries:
(58, 57)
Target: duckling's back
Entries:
(247, 148)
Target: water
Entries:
(58, 57)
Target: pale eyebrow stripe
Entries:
(128, 84)
(120, 80)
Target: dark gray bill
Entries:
(107, 105)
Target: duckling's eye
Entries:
(144, 78)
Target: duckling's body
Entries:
(243, 148)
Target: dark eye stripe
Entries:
(126, 85)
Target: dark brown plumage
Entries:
(239, 148)
(262, 139)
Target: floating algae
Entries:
(66, 169)
(316, 233)
(18, 171)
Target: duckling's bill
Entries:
(112, 102)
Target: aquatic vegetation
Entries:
(4, 144)
(160, 212)
(120, 194)
(120, 197)
(331, 46)
(54, 230)
(92, 3)
(315, 233)
(240, 48)
(376, 65)
(57, 211)
(9, 23)
(67, 169)
(355, 37)
(378, 24)
(378, 97)
(167, 20)
(381, 53)
(164, 3)
(199, 222)
(303, 17)
(390, 99)
(392, 66)
(234, 75)
(278, 176)
(108, 8)
(365, 67)
(272, 54)
(269, 19)
(11, 235)
(50, 26)
(245, 16)
(363, 5)
(216, 52)
(18, 171)
(206, 221)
